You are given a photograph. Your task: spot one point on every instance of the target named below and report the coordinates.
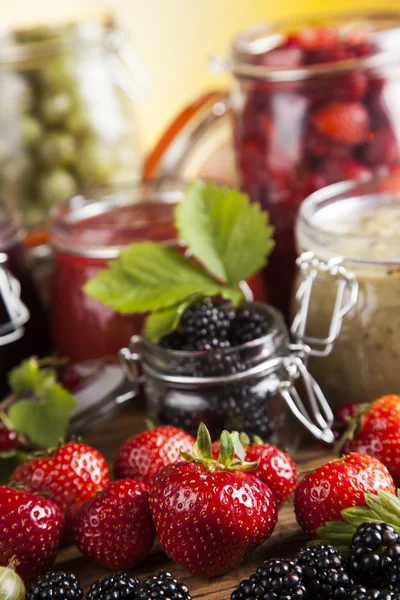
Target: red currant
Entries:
(8, 439)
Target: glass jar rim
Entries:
(83, 35)
(244, 45)
(355, 198)
(96, 201)
(276, 325)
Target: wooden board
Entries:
(285, 541)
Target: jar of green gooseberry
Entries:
(67, 112)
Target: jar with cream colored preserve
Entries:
(348, 238)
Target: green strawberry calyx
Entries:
(231, 453)
(382, 507)
(353, 427)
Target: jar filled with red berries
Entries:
(313, 104)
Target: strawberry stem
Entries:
(231, 455)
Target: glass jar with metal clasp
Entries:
(252, 387)
(351, 231)
(23, 325)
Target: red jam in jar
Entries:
(30, 337)
(86, 233)
(313, 105)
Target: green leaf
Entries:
(29, 378)
(45, 422)
(149, 277)
(357, 515)
(238, 444)
(227, 449)
(163, 322)
(225, 232)
(203, 442)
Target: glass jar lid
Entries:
(265, 51)
(358, 221)
(99, 222)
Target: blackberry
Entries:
(56, 585)
(114, 587)
(205, 325)
(276, 579)
(173, 341)
(374, 547)
(243, 407)
(392, 575)
(247, 325)
(359, 592)
(324, 572)
(165, 586)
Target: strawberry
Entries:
(31, 529)
(383, 446)
(275, 467)
(345, 122)
(69, 476)
(142, 456)
(115, 527)
(209, 514)
(323, 494)
(382, 415)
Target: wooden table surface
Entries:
(285, 541)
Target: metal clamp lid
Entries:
(320, 421)
(311, 269)
(15, 310)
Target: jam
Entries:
(312, 106)
(86, 234)
(34, 339)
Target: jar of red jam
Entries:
(312, 104)
(23, 325)
(86, 233)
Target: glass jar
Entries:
(312, 105)
(23, 325)
(86, 232)
(67, 116)
(246, 388)
(351, 235)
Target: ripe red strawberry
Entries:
(382, 445)
(275, 467)
(31, 529)
(69, 476)
(323, 494)
(115, 527)
(210, 515)
(345, 122)
(382, 415)
(142, 456)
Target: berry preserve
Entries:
(89, 231)
(23, 325)
(313, 104)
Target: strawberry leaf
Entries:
(203, 442)
(226, 450)
(28, 377)
(44, 422)
(149, 277)
(230, 236)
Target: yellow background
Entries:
(175, 37)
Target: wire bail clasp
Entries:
(312, 268)
(15, 310)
